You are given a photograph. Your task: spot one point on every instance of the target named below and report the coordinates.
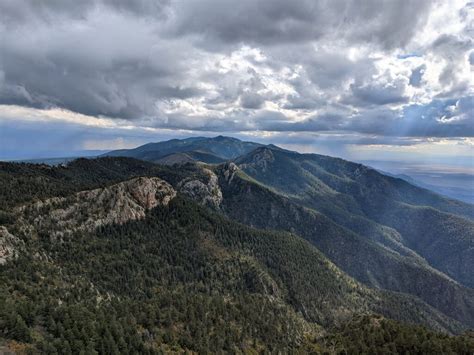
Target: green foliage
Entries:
(161, 283)
(25, 182)
(186, 279)
(362, 258)
(376, 335)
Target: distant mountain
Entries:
(258, 249)
(207, 150)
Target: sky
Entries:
(364, 80)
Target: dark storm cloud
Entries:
(16, 12)
(387, 23)
(251, 101)
(221, 65)
(330, 69)
(297, 102)
(112, 65)
(110, 62)
(379, 94)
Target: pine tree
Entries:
(20, 330)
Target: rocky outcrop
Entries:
(229, 170)
(204, 191)
(87, 210)
(9, 245)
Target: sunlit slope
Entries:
(372, 204)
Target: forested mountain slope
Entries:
(367, 187)
(384, 263)
(157, 253)
(367, 202)
(177, 277)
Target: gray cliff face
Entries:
(207, 193)
(87, 210)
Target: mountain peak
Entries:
(207, 150)
(223, 138)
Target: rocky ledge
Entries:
(87, 210)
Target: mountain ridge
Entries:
(143, 187)
(223, 147)
(305, 241)
(157, 148)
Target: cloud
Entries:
(452, 50)
(113, 65)
(385, 23)
(386, 68)
(14, 13)
(251, 100)
(380, 93)
(441, 118)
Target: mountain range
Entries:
(215, 244)
(208, 150)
